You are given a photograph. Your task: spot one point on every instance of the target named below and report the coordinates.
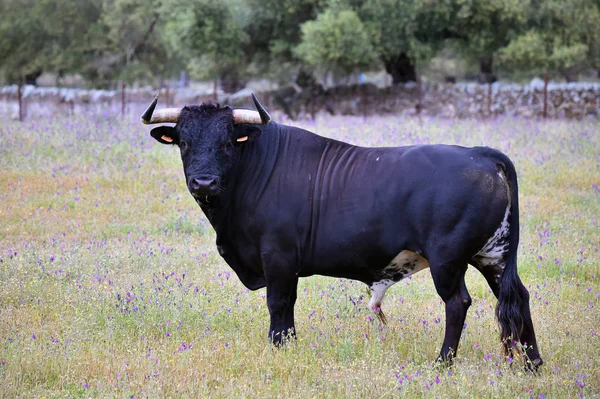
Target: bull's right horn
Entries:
(165, 115)
(258, 117)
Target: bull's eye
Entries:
(183, 146)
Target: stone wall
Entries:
(469, 100)
(462, 100)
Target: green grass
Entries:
(111, 286)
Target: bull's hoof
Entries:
(444, 362)
(280, 338)
(533, 365)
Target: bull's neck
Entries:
(256, 159)
(261, 164)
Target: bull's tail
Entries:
(513, 296)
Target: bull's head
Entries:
(209, 138)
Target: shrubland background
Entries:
(111, 285)
(101, 43)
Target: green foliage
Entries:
(405, 32)
(336, 41)
(558, 36)
(482, 27)
(274, 32)
(138, 40)
(103, 40)
(405, 26)
(538, 53)
(276, 24)
(126, 42)
(209, 35)
(35, 38)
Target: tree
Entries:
(483, 27)
(128, 43)
(274, 32)
(34, 37)
(336, 41)
(102, 40)
(210, 36)
(404, 32)
(561, 36)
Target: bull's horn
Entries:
(258, 117)
(165, 115)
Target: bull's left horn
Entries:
(258, 117)
(165, 115)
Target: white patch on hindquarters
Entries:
(496, 247)
(404, 264)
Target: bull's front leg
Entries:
(282, 286)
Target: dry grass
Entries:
(110, 284)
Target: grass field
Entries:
(111, 285)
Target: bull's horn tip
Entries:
(264, 115)
(147, 115)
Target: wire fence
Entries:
(540, 98)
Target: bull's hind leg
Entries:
(449, 280)
(527, 338)
(492, 269)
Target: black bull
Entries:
(286, 203)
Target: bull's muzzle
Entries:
(203, 186)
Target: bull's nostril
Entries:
(203, 185)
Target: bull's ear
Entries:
(246, 133)
(165, 135)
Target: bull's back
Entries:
(377, 202)
(342, 210)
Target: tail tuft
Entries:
(508, 310)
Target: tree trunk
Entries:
(231, 81)
(31, 78)
(305, 79)
(401, 68)
(486, 72)
(569, 74)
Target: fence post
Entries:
(489, 102)
(20, 100)
(215, 96)
(419, 95)
(545, 115)
(123, 87)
